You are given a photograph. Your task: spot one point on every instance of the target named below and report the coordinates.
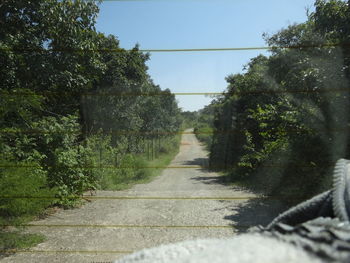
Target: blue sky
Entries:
(177, 24)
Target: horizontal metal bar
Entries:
(124, 226)
(11, 251)
(167, 50)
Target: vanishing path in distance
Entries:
(182, 203)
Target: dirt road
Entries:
(185, 202)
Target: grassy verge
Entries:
(109, 179)
(204, 135)
(162, 161)
(13, 240)
(140, 169)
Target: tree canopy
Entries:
(283, 123)
(72, 100)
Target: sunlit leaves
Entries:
(291, 106)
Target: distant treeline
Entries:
(283, 123)
(77, 112)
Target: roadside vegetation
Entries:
(282, 124)
(77, 112)
(203, 127)
(201, 122)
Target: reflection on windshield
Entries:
(99, 160)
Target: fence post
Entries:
(152, 148)
(159, 143)
(148, 155)
(100, 157)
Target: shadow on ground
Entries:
(254, 212)
(214, 180)
(203, 162)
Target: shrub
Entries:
(66, 161)
(204, 134)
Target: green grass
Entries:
(204, 135)
(16, 240)
(129, 177)
(12, 240)
(162, 161)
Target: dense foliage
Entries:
(283, 123)
(203, 127)
(77, 112)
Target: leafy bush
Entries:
(204, 133)
(283, 123)
(45, 105)
(65, 160)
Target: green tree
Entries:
(287, 117)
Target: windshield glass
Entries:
(130, 124)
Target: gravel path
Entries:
(183, 203)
